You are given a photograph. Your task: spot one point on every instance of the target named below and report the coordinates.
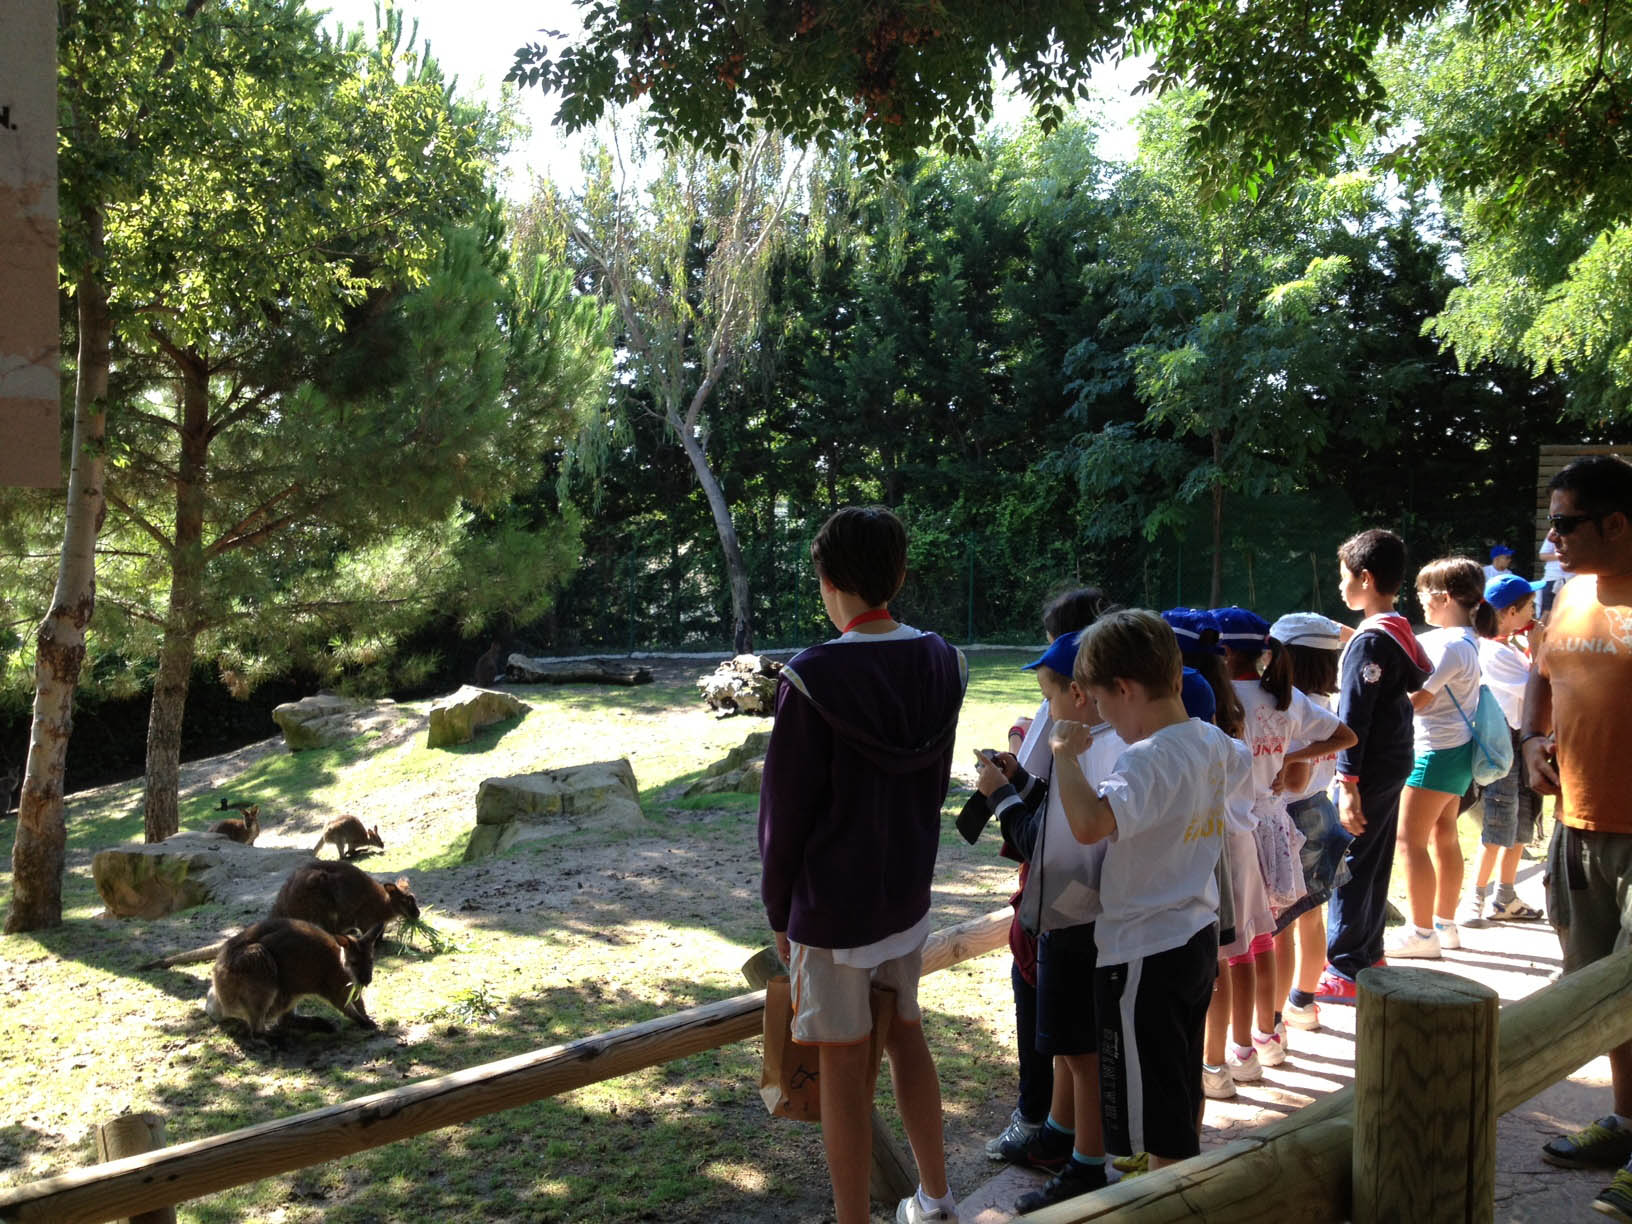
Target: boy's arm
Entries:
(1090, 817)
(1358, 693)
(1020, 816)
(793, 792)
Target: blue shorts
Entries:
(1510, 808)
(1066, 1023)
(1448, 770)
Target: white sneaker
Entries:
(911, 1211)
(1471, 913)
(1243, 1070)
(1270, 1051)
(1019, 1132)
(1514, 911)
(1301, 1017)
(1217, 1084)
(1450, 939)
(1408, 945)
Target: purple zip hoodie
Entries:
(855, 775)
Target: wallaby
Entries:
(347, 834)
(264, 971)
(340, 897)
(244, 830)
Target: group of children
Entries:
(1196, 792)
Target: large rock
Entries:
(324, 720)
(739, 771)
(150, 880)
(743, 685)
(454, 719)
(527, 807)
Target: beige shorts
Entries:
(831, 1003)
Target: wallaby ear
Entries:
(374, 830)
(372, 935)
(402, 883)
(253, 812)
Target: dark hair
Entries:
(1602, 484)
(1059, 680)
(1378, 552)
(1130, 644)
(862, 550)
(1072, 610)
(1314, 669)
(1228, 712)
(1276, 679)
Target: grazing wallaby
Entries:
(340, 897)
(244, 830)
(264, 971)
(347, 834)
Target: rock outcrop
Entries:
(530, 806)
(455, 718)
(743, 685)
(739, 770)
(144, 880)
(324, 720)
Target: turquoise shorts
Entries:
(1449, 770)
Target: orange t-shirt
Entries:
(1587, 655)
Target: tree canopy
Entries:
(1284, 80)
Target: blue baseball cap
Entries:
(1505, 590)
(1061, 655)
(1196, 629)
(1500, 550)
(1241, 629)
(1197, 694)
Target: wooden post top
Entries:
(1425, 987)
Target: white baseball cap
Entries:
(1308, 629)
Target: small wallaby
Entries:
(263, 971)
(340, 897)
(347, 834)
(244, 830)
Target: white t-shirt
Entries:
(1062, 888)
(1322, 769)
(1455, 656)
(1506, 672)
(1272, 733)
(1168, 794)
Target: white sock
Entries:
(1423, 932)
(1443, 922)
(1262, 1037)
(948, 1203)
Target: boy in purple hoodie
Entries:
(849, 825)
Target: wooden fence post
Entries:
(133, 1134)
(893, 1174)
(1424, 1098)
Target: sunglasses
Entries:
(1564, 524)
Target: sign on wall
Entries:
(29, 415)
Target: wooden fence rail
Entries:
(1307, 1158)
(174, 1175)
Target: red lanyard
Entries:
(876, 614)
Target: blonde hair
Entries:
(1130, 644)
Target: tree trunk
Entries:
(1218, 527)
(160, 817)
(42, 834)
(742, 634)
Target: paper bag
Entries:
(790, 1079)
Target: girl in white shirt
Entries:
(1452, 593)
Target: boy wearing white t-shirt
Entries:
(1162, 813)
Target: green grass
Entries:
(599, 932)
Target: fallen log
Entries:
(522, 670)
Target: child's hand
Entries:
(988, 776)
(1349, 813)
(1068, 738)
(1277, 784)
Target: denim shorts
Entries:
(1448, 770)
(1324, 856)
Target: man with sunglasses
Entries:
(1577, 708)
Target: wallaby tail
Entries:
(321, 842)
(190, 957)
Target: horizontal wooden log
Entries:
(1548, 1035)
(521, 670)
(177, 1174)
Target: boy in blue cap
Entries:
(1060, 901)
